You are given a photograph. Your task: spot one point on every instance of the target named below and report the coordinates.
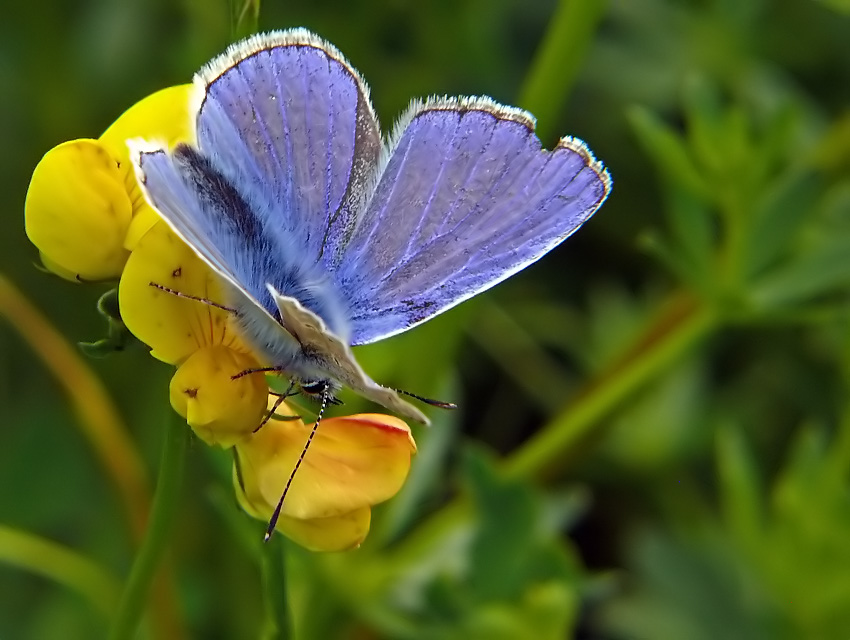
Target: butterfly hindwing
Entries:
(467, 197)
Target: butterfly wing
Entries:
(287, 118)
(466, 198)
(333, 355)
(285, 131)
(287, 143)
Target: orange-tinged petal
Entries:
(173, 326)
(220, 410)
(337, 533)
(352, 462)
(340, 533)
(77, 210)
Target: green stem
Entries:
(246, 17)
(153, 546)
(558, 60)
(682, 323)
(278, 622)
(60, 564)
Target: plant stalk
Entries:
(163, 511)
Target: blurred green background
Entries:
(654, 434)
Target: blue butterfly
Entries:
(327, 237)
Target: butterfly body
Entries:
(325, 237)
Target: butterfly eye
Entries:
(320, 390)
(314, 387)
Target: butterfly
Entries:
(327, 236)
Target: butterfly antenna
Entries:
(258, 370)
(434, 403)
(276, 514)
(205, 301)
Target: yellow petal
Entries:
(162, 117)
(144, 219)
(220, 410)
(77, 210)
(173, 326)
(352, 462)
(57, 269)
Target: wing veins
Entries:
(386, 203)
(328, 159)
(427, 208)
(262, 125)
(311, 166)
(476, 204)
(287, 141)
(476, 207)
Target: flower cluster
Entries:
(86, 214)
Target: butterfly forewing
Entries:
(466, 199)
(285, 125)
(174, 193)
(292, 125)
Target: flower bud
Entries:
(77, 211)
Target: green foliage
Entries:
(654, 433)
(767, 565)
(118, 337)
(744, 202)
(519, 582)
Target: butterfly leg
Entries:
(326, 395)
(280, 398)
(180, 294)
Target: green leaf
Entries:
(668, 151)
(246, 17)
(842, 6)
(779, 216)
(704, 114)
(740, 489)
(692, 587)
(821, 269)
(558, 59)
(693, 228)
(507, 514)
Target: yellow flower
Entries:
(78, 212)
(353, 463)
(87, 215)
(84, 210)
(193, 335)
(221, 410)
